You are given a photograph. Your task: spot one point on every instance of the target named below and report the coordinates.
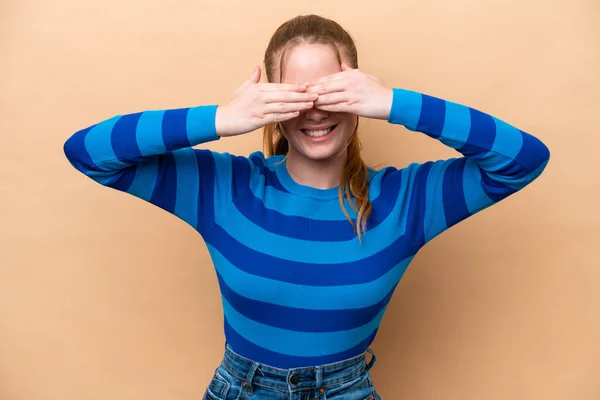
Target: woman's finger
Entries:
(279, 117)
(328, 87)
(280, 108)
(282, 87)
(331, 98)
(337, 107)
(283, 97)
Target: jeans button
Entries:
(294, 379)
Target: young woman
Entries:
(308, 243)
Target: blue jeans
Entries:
(239, 378)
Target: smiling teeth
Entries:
(318, 133)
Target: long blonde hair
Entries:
(314, 29)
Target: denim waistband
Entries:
(295, 379)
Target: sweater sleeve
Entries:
(149, 155)
(497, 161)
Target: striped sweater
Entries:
(297, 286)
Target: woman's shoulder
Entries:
(393, 173)
(391, 180)
(376, 175)
(260, 159)
(250, 165)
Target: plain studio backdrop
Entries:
(105, 296)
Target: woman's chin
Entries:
(320, 153)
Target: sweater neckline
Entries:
(292, 186)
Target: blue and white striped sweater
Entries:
(298, 288)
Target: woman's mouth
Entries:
(318, 133)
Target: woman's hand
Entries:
(353, 91)
(257, 104)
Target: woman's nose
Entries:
(315, 114)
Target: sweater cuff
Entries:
(406, 108)
(200, 124)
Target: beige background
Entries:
(103, 296)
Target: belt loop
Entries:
(319, 383)
(373, 359)
(250, 377)
(319, 377)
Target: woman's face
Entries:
(315, 134)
